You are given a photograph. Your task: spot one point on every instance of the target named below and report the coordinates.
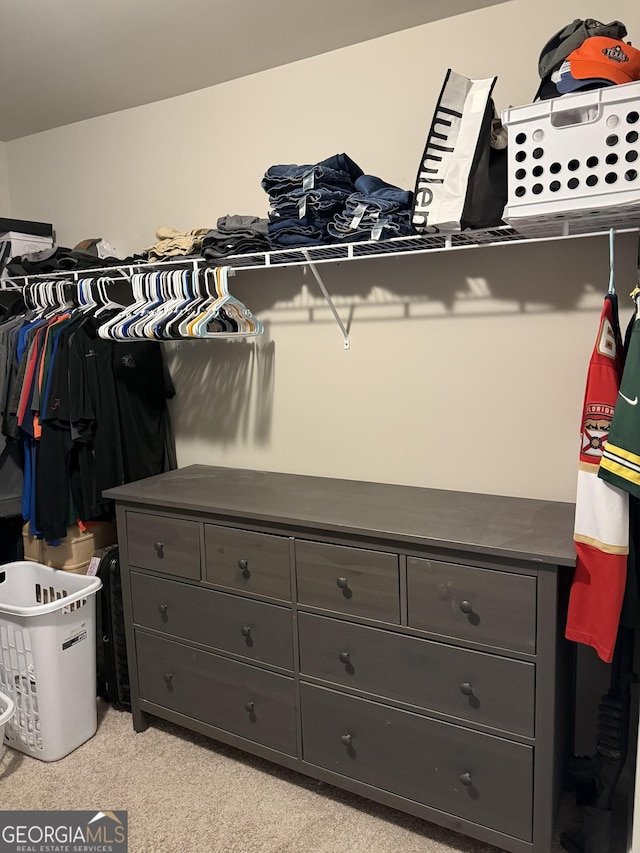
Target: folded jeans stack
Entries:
(235, 235)
(375, 211)
(305, 198)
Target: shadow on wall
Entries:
(511, 278)
(225, 389)
(226, 386)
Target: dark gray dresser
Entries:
(401, 643)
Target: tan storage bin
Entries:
(80, 569)
(33, 548)
(75, 550)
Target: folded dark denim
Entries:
(315, 211)
(283, 224)
(320, 198)
(368, 217)
(372, 187)
(358, 206)
(338, 163)
(337, 171)
(329, 184)
(286, 240)
(342, 163)
(381, 229)
(297, 232)
(367, 235)
(290, 212)
(290, 241)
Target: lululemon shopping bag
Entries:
(462, 178)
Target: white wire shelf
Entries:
(420, 244)
(338, 253)
(311, 256)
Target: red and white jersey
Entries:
(601, 529)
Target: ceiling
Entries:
(63, 61)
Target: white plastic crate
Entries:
(7, 709)
(575, 158)
(48, 658)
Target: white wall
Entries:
(466, 371)
(5, 201)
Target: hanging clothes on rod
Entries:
(182, 304)
(82, 408)
(11, 452)
(88, 413)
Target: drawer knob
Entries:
(245, 631)
(346, 740)
(466, 688)
(243, 565)
(345, 657)
(466, 779)
(343, 583)
(249, 706)
(466, 607)
(168, 677)
(159, 546)
(162, 609)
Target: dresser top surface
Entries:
(516, 528)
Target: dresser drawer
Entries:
(245, 627)
(236, 697)
(485, 606)
(168, 545)
(476, 687)
(348, 580)
(478, 777)
(247, 561)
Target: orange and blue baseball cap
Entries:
(566, 40)
(598, 62)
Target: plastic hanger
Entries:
(177, 304)
(192, 294)
(130, 327)
(108, 329)
(133, 329)
(186, 296)
(210, 310)
(53, 299)
(203, 296)
(201, 326)
(172, 286)
(105, 303)
(86, 298)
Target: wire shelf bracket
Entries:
(327, 296)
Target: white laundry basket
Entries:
(7, 709)
(48, 658)
(575, 159)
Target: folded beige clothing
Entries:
(171, 242)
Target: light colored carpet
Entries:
(185, 793)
